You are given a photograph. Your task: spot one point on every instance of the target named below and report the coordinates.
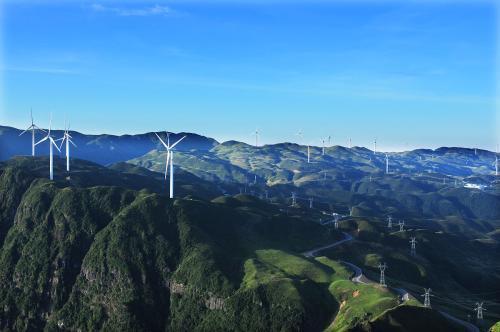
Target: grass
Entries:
(355, 303)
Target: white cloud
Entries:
(157, 10)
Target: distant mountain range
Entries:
(102, 149)
(277, 163)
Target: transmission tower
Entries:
(413, 242)
(294, 198)
(389, 221)
(427, 297)
(401, 226)
(382, 268)
(479, 308)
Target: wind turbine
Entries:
(301, 136)
(323, 148)
(386, 163)
(496, 162)
(52, 143)
(66, 139)
(375, 146)
(170, 160)
(256, 133)
(32, 128)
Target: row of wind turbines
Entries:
(67, 140)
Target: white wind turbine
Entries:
(32, 128)
(52, 143)
(170, 160)
(301, 136)
(256, 134)
(66, 139)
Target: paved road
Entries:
(360, 278)
(314, 252)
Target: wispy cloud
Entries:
(156, 10)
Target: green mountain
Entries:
(93, 257)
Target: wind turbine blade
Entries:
(53, 142)
(42, 140)
(72, 143)
(162, 142)
(36, 127)
(62, 142)
(24, 132)
(177, 142)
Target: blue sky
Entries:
(411, 73)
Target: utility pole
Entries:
(401, 226)
(382, 268)
(389, 221)
(427, 297)
(294, 199)
(311, 203)
(413, 243)
(479, 308)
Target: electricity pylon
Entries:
(427, 297)
(413, 243)
(479, 308)
(401, 226)
(382, 268)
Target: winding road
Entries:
(361, 279)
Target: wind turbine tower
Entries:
(382, 268)
(427, 297)
(496, 162)
(52, 143)
(256, 133)
(350, 143)
(386, 163)
(375, 146)
(66, 139)
(311, 203)
(323, 149)
(170, 160)
(33, 127)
